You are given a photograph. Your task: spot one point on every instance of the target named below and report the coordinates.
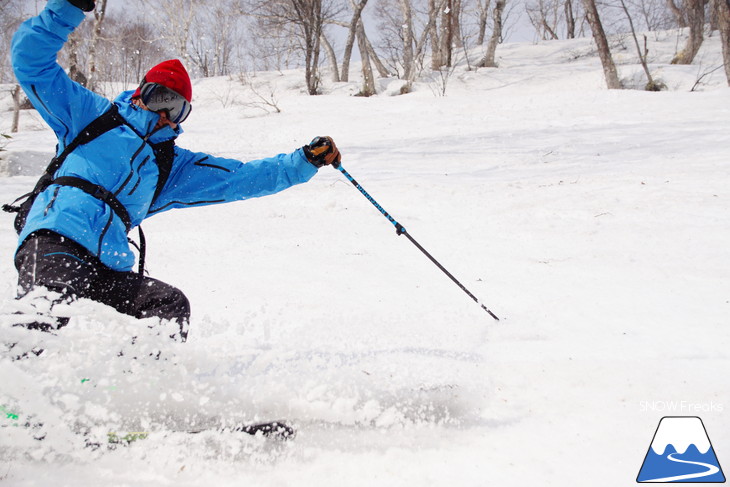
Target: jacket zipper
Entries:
(139, 176)
(45, 107)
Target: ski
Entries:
(276, 430)
(273, 429)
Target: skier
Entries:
(117, 164)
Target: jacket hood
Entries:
(144, 121)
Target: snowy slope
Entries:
(596, 224)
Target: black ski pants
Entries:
(59, 264)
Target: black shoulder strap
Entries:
(164, 155)
(100, 125)
(103, 123)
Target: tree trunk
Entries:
(456, 35)
(99, 15)
(16, 92)
(650, 84)
(177, 21)
(447, 33)
(488, 60)
(569, 19)
(351, 33)
(678, 14)
(714, 16)
(408, 56)
(311, 70)
(549, 30)
(723, 14)
(483, 15)
(696, 17)
(73, 60)
(368, 83)
(599, 36)
(309, 17)
(382, 70)
(332, 58)
(413, 50)
(433, 34)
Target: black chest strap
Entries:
(99, 126)
(100, 193)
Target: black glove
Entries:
(85, 5)
(322, 151)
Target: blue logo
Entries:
(681, 452)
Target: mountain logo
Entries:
(681, 452)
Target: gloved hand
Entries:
(322, 151)
(85, 5)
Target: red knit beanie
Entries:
(170, 74)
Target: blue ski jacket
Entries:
(121, 160)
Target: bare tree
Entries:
(368, 87)
(444, 32)
(213, 34)
(723, 20)
(75, 71)
(308, 15)
(569, 19)
(331, 56)
(488, 60)
(599, 36)
(303, 21)
(11, 14)
(127, 45)
(142, 48)
(17, 92)
(435, 38)
(449, 31)
(548, 17)
(263, 93)
(651, 85)
(696, 18)
(656, 14)
(375, 59)
(99, 15)
(405, 34)
(357, 8)
(483, 15)
(679, 14)
(177, 16)
(544, 16)
(409, 55)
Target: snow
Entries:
(594, 223)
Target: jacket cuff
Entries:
(69, 13)
(307, 166)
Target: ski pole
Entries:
(400, 230)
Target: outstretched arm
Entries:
(64, 104)
(199, 179)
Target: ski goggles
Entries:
(160, 98)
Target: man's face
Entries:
(162, 113)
